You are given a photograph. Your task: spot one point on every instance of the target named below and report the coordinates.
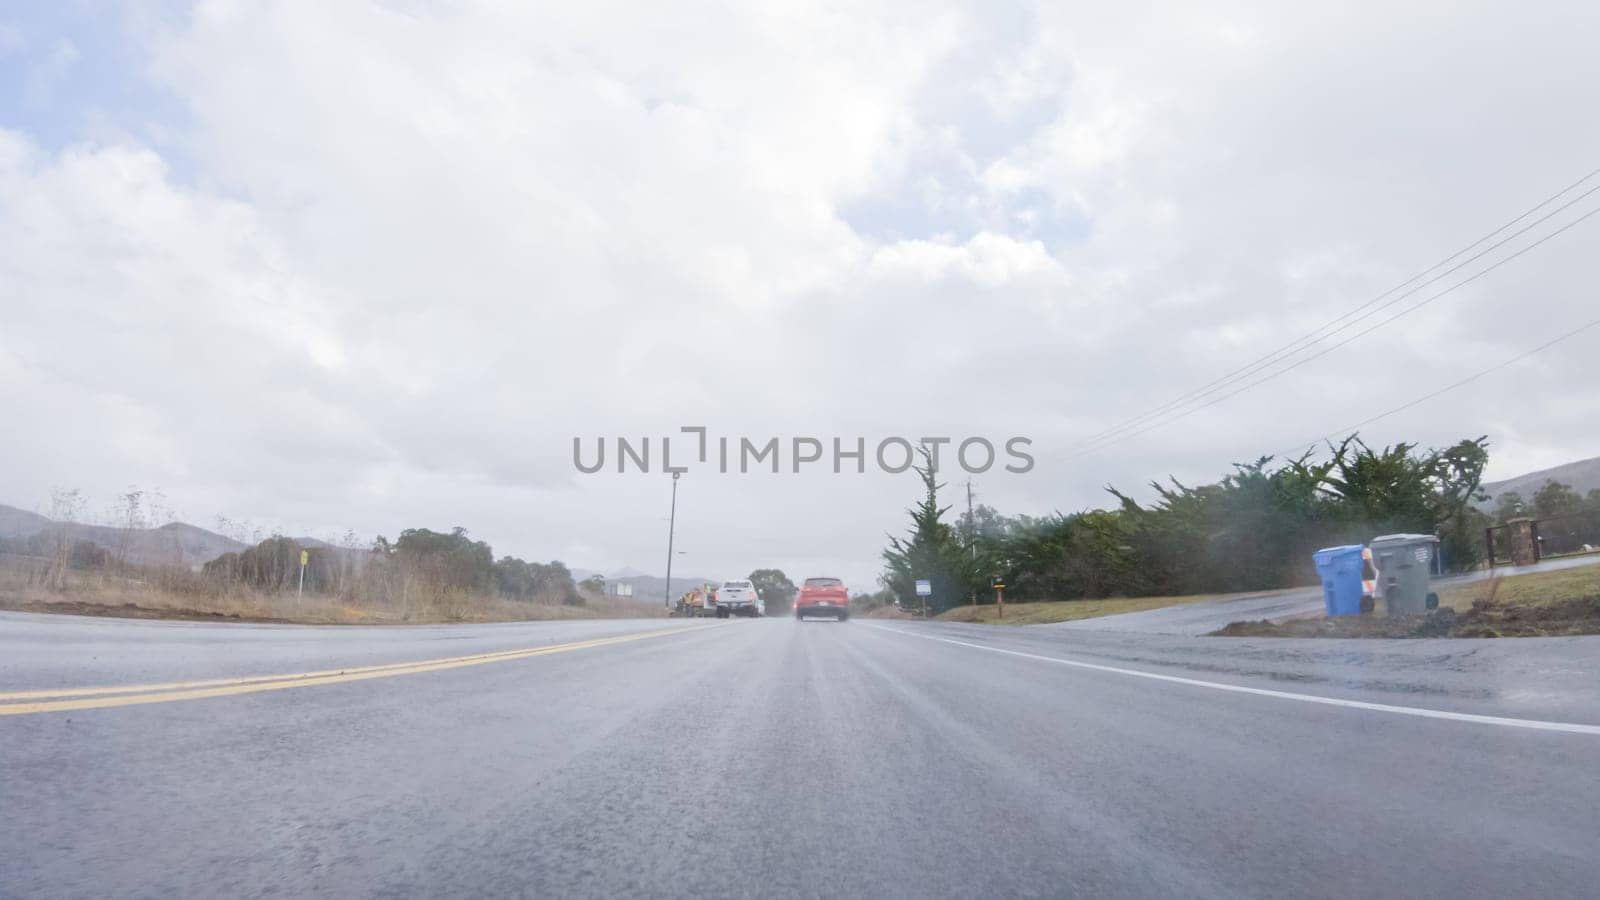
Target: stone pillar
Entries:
(1523, 551)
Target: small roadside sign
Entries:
(924, 587)
(305, 557)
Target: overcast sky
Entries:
(374, 265)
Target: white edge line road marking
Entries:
(1418, 711)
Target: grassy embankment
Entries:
(1538, 604)
(1060, 610)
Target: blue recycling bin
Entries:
(1340, 571)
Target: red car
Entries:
(822, 597)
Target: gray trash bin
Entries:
(1405, 563)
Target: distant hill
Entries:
(651, 587)
(20, 523)
(175, 543)
(1582, 476)
(311, 543)
(645, 587)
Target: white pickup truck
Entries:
(738, 598)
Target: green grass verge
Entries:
(1071, 610)
(1565, 602)
(1532, 589)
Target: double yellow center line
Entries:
(22, 703)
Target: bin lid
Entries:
(1330, 552)
(1404, 538)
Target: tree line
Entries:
(420, 568)
(1568, 521)
(1255, 529)
(1552, 500)
(421, 565)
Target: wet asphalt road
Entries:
(770, 758)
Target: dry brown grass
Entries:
(180, 594)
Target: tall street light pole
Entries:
(672, 524)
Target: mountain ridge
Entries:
(1582, 475)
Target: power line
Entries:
(1161, 422)
(1326, 350)
(1450, 387)
(1316, 335)
(1312, 338)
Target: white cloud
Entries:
(408, 255)
(10, 38)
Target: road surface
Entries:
(773, 758)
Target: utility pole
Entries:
(972, 536)
(672, 526)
